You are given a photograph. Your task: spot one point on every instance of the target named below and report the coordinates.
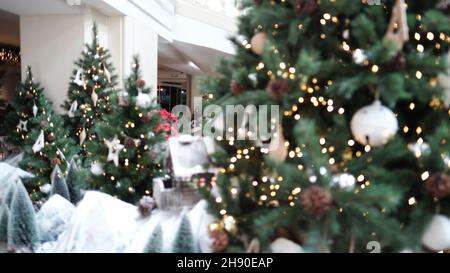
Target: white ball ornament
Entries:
(257, 42)
(374, 125)
(437, 235)
(143, 100)
(97, 168)
(344, 181)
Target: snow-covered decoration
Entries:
(437, 236)
(73, 109)
(8, 175)
(102, 223)
(54, 217)
(40, 143)
(283, 245)
(114, 148)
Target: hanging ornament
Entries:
(437, 235)
(82, 136)
(346, 34)
(344, 181)
(359, 56)
(35, 110)
(124, 98)
(374, 125)
(51, 137)
(398, 30)
(94, 97)
(258, 42)
(438, 185)
(22, 126)
(316, 201)
(277, 88)
(73, 109)
(253, 77)
(40, 143)
(143, 100)
(46, 188)
(60, 154)
(218, 236)
(419, 148)
(78, 80)
(140, 83)
(114, 148)
(237, 88)
(107, 73)
(97, 168)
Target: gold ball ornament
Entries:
(258, 42)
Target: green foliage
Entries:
(155, 242)
(135, 128)
(184, 240)
(22, 229)
(4, 216)
(328, 87)
(28, 94)
(59, 185)
(96, 74)
(56, 148)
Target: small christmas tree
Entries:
(59, 185)
(25, 106)
(90, 91)
(74, 181)
(124, 160)
(184, 240)
(4, 217)
(22, 229)
(154, 244)
(9, 194)
(47, 146)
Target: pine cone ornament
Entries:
(438, 185)
(277, 88)
(140, 83)
(304, 7)
(219, 240)
(398, 63)
(237, 88)
(43, 124)
(316, 201)
(146, 205)
(56, 161)
(129, 142)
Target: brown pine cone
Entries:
(237, 88)
(438, 185)
(56, 161)
(129, 142)
(140, 83)
(305, 7)
(43, 124)
(398, 62)
(277, 88)
(146, 205)
(316, 201)
(219, 240)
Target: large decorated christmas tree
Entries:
(90, 89)
(361, 157)
(24, 107)
(127, 155)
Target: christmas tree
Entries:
(184, 240)
(24, 107)
(125, 158)
(22, 229)
(154, 244)
(90, 89)
(59, 185)
(4, 216)
(75, 181)
(47, 146)
(337, 175)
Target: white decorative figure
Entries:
(40, 143)
(73, 109)
(94, 97)
(114, 148)
(374, 124)
(35, 110)
(398, 30)
(97, 168)
(437, 236)
(143, 100)
(82, 136)
(22, 126)
(79, 77)
(344, 181)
